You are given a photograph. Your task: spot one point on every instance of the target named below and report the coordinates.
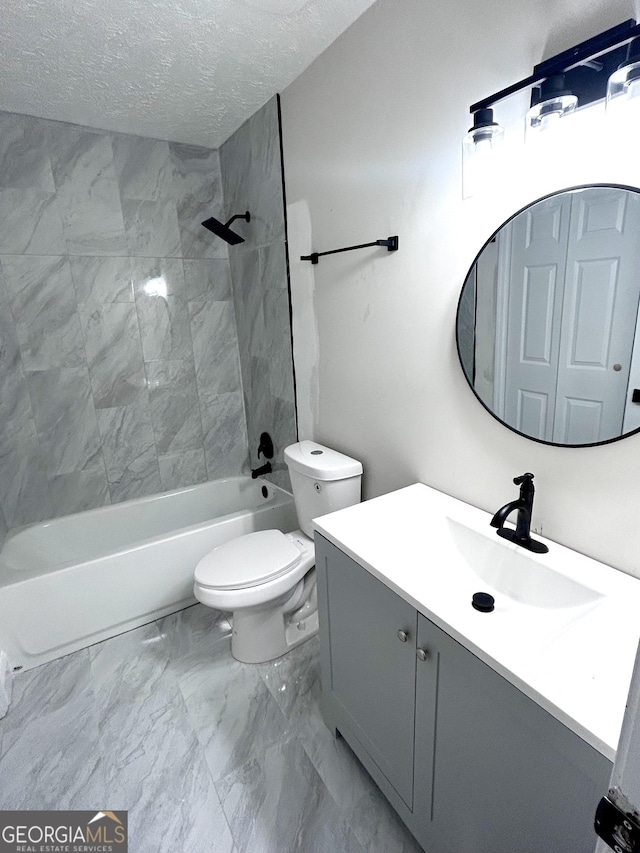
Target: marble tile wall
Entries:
(252, 180)
(119, 363)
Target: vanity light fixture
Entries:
(607, 65)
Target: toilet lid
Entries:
(247, 561)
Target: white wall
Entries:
(372, 136)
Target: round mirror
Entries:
(547, 324)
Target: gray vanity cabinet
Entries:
(470, 763)
(374, 683)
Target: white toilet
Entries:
(267, 579)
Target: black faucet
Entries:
(263, 469)
(522, 534)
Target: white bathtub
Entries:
(71, 582)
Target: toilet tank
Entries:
(322, 481)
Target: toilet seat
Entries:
(248, 561)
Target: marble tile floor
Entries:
(205, 753)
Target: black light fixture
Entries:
(607, 65)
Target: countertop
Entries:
(580, 672)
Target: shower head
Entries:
(221, 229)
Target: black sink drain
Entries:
(483, 602)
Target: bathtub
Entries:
(74, 581)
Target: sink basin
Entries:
(513, 571)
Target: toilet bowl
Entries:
(267, 579)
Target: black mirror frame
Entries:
(626, 187)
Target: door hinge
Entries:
(617, 823)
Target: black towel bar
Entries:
(391, 243)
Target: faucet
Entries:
(263, 469)
(522, 534)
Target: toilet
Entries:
(267, 579)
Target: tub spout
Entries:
(263, 469)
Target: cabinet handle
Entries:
(423, 654)
(403, 636)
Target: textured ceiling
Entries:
(183, 70)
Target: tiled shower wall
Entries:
(252, 180)
(119, 369)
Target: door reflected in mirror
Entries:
(547, 325)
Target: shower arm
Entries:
(246, 216)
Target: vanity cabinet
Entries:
(470, 763)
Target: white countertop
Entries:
(576, 663)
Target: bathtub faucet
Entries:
(263, 469)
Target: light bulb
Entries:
(624, 85)
(554, 101)
(479, 152)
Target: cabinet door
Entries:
(508, 776)
(372, 669)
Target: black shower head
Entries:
(221, 229)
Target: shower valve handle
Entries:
(266, 446)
